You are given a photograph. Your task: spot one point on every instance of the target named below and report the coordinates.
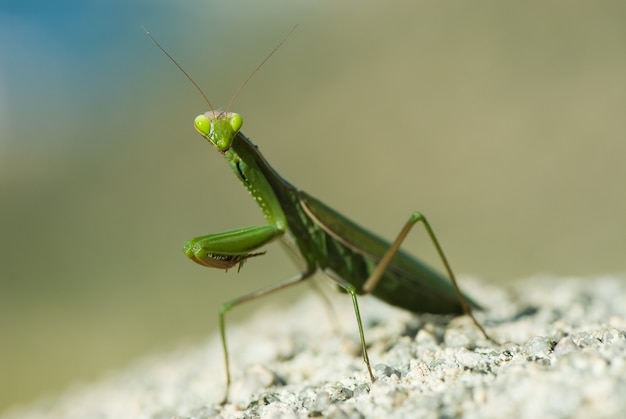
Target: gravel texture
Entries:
(561, 354)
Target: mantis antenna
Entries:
(206, 99)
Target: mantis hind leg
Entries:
(226, 307)
(377, 275)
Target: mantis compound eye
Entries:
(203, 125)
(235, 121)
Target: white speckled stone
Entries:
(562, 354)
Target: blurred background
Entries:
(504, 122)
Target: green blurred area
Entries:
(502, 122)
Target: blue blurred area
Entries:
(69, 57)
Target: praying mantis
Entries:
(358, 261)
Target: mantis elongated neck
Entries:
(269, 190)
(265, 185)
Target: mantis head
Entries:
(219, 127)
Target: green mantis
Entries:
(358, 261)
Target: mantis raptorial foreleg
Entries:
(227, 249)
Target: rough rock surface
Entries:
(561, 353)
